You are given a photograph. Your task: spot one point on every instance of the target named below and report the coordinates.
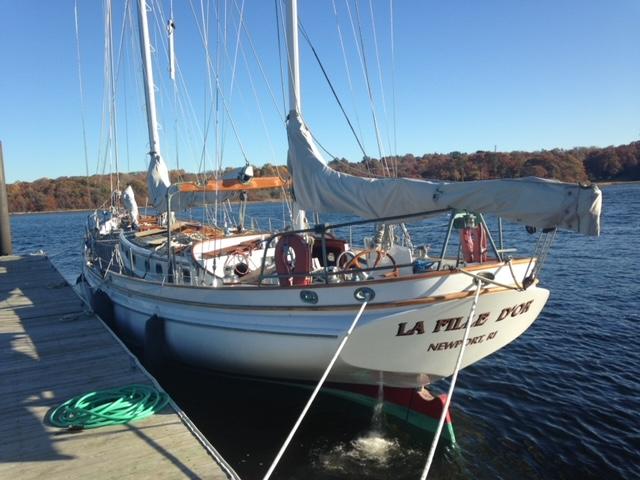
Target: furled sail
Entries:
(158, 182)
(531, 201)
(130, 204)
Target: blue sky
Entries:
(468, 75)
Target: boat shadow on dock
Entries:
(53, 348)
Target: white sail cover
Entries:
(130, 204)
(531, 201)
(158, 182)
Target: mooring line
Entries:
(489, 280)
(315, 392)
(447, 402)
(513, 275)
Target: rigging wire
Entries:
(262, 118)
(281, 113)
(217, 124)
(370, 92)
(132, 61)
(124, 52)
(188, 112)
(126, 123)
(259, 63)
(82, 107)
(224, 103)
(112, 94)
(280, 68)
(171, 27)
(348, 72)
(237, 48)
(116, 77)
(333, 90)
(377, 54)
(162, 29)
(104, 132)
(207, 114)
(394, 147)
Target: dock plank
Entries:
(52, 348)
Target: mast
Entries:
(158, 182)
(147, 72)
(293, 56)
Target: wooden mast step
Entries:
(51, 349)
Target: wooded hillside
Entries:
(575, 165)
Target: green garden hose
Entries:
(114, 406)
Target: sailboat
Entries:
(276, 304)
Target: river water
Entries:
(561, 402)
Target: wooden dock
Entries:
(51, 349)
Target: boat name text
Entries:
(458, 323)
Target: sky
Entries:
(460, 75)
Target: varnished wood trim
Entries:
(233, 185)
(318, 308)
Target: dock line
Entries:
(454, 378)
(293, 431)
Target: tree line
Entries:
(582, 164)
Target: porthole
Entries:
(364, 294)
(308, 296)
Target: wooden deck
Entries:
(53, 348)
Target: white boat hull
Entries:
(411, 332)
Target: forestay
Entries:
(531, 201)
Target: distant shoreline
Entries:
(87, 210)
(620, 182)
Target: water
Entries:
(561, 402)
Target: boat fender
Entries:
(102, 306)
(301, 265)
(155, 343)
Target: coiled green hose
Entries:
(115, 406)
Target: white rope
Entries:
(315, 392)
(513, 275)
(488, 280)
(445, 409)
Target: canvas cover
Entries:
(158, 182)
(130, 204)
(530, 201)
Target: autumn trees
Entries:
(575, 165)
